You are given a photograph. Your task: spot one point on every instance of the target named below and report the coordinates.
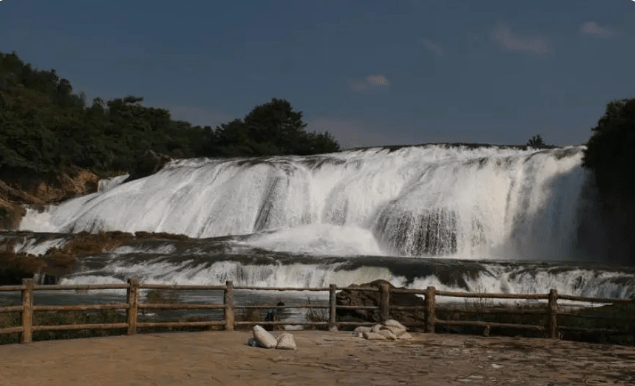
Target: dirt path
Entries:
(322, 358)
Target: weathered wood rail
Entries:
(429, 321)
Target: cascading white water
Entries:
(491, 277)
(110, 183)
(433, 200)
(214, 261)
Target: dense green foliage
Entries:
(273, 128)
(45, 127)
(611, 150)
(610, 155)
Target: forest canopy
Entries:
(46, 127)
(610, 152)
(610, 156)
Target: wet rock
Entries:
(37, 190)
(62, 260)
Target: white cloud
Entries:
(512, 42)
(371, 81)
(198, 116)
(431, 46)
(592, 28)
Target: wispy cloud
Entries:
(371, 81)
(433, 47)
(511, 42)
(592, 28)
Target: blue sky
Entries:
(372, 72)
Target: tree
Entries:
(273, 128)
(610, 156)
(276, 124)
(46, 128)
(610, 151)
(536, 142)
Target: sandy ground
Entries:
(322, 358)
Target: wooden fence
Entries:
(430, 308)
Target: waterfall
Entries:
(433, 200)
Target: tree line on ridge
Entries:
(46, 128)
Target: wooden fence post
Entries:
(384, 302)
(332, 308)
(228, 300)
(553, 314)
(430, 304)
(27, 311)
(133, 305)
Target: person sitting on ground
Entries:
(272, 316)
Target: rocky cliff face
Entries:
(18, 190)
(59, 261)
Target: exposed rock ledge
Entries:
(17, 190)
(60, 261)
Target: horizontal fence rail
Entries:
(424, 314)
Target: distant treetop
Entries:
(537, 142)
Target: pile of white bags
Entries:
(262, 338)
(389, 330)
